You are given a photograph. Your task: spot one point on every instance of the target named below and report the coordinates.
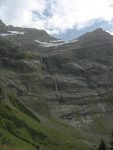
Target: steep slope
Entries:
(83, 76)
(23, 126)
(47, 84)
(20, 129)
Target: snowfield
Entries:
(49, 44)
(16, 32)
(12, 33)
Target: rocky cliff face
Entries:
(71, 82)
(79, 79)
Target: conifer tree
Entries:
(102, 145)
(111, 143)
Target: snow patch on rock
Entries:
(16, 32)
(4, 34)
(12, 33)
(72, 41)
(48, 44)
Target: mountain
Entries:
(55, 94)
(3, 27)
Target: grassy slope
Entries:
(21, 130)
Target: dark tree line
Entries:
(111, 142)
(103, 146)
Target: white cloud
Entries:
(110, 32)
(55, 16)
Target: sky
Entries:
(64, 19)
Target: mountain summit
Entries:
(27, 34)
(98, 33)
